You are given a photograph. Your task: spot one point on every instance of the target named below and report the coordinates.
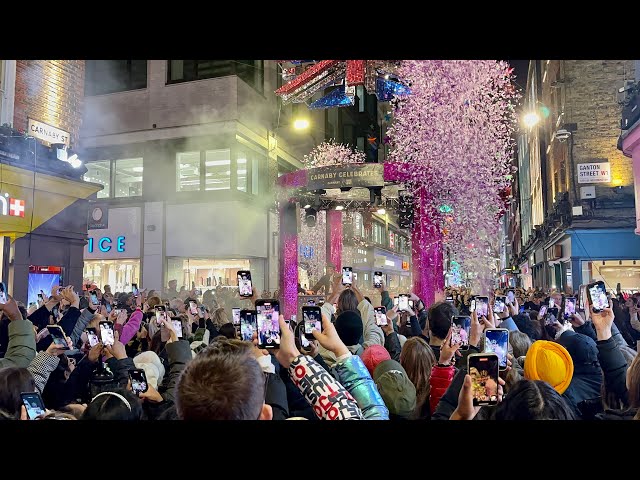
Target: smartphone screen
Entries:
(312, 317)
(396, 301)
(403, 302)
(450, 300)
(161, 314)
(496, 340)
(347, 275)
(267, 312)
(597, 293)
(377, 279)
(138, 381)
(92, 336)
(3, 293)
(511, 296)
(472, 306)
(177, 326)
(57, 336)
(381, 316)
(411, 304)
(106, 333)
(460, 327)
(235, 314)
(552, 303)
(244, 283)
(247, 324)
(94, 298)
(483, 369)
(499, 304)
(482, 306)
(134, 288)
(107, 306)
(569, 306)
(193, 308)
(543, 310)
(33, 404)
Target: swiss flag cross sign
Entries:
(16, 207)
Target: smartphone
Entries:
(450, 300)
(94, 298)
(569, 306)
(33, 404)
(511, 296)
(482, 306)
(3, 293)
(377, 279)
(543, 311)
(161, 314)
(347, 275)
(483, 369)
(396, 301)
(403, 301)
(496, 340)
(193, 307)
(472, 305)
(57, 336)
(244, 283)
(460, 328)
(312, 317)
(92, 336)
(203, 309)
(500, 304)
(267, 313)
(40, 297)
(107, 306)
(55, 311)
(381, 316)
(106, 333)
(138, 381)
(411, 304)
(597, 296)
(235, 315)
(552, 303)
(247, 324)
(177, 326)
(134, 287)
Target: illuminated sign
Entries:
(405, 265)
(306, 251)
(392, 242)
(47, 133)
(390, 263)
(11, 206)
(105, 244)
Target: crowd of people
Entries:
(190, 363)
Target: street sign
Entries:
(594, 172)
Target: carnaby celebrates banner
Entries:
(335, 176)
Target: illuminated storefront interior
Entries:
(119, 274)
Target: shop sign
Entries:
(405, 265)
(98, 217)
(11, 206)
(47, 133)
(336, 176)
(105, 244)
(392, 242)
(594, 172)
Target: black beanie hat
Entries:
(349, 327)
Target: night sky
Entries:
(520, 70)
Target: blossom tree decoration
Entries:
(332, 153)
(453, 137)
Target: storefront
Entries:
(112, 253)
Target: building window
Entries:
(218, 169)
(111, 76)
(128, 177)
(250, 71)
(188, 171)
(100, 172)
(241, 169)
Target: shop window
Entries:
(100, 172)
(249, 71)
(128, 177)
(188, 171)
(118, 274)
(218, 169)
(241, 170)
(111, 76)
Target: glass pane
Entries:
(188, 171)
(242, 171)
(128, 177)
(255, 175)
(99, 172)
(252, 72)
(218, 169)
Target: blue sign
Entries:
(105, 244)
(306, 251)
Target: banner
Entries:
(336, 176)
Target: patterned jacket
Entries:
(41, 367)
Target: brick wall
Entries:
(51, 91)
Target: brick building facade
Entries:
(50, 91)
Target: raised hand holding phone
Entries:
(330, 339)
(117, 350)
(288, 350)
(448, 350)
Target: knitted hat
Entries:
(397, 391)
(152, 366)
(583, 351)
(373, 355)
(549, 362)
(349, 327)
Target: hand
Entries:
(602, 322)
(71, 296)
(475, 332)
(415, 298)
(410, 311)
(576, 320)
(448, 350)
(56, 293)
(287, 351)
(138, 300)
(329, 338)
(487, 322)
(173, 335)
(121, 319)
(94, 353)
(54, 351)
(312, 349)
(11, 310)
(24, 416)
(151, 395)
(514, 307)
(113, 316)
(117, 350)
(388, 328)
(465, 409)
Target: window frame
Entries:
(233, 64)
(89, 81)
(112, 178)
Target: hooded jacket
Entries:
(354, 376)
(21, 348)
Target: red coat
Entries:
(439, 381)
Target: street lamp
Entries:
(301, 124)
(531, 119)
